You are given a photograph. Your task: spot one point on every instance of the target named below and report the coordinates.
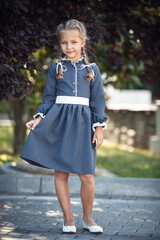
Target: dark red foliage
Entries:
(28, 25)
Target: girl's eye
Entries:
(65, 42)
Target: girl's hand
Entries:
(98, 134)
(33, 123)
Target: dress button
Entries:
(74, 91)
(73, 82)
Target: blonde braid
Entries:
(89, 76)
(60, 71)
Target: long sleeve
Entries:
(48, 93)
(97, 101)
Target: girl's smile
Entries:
(71, 44)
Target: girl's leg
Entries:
(87, 197)
(63, 194)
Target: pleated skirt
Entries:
(62, 140)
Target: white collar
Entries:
(66, 59)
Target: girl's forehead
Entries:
(69, 34)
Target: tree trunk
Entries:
(17, 112)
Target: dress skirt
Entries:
(62, 140)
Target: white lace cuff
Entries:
(38, 114)
(104, 126)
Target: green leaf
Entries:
(137, 80)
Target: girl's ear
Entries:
(83, 42)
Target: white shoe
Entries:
(69, 229)
(93, 229)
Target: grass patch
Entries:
(128, 162)
(123, 161)
(6, 145)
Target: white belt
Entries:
(72, 100)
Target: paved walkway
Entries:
(127, 208)
(40, 217)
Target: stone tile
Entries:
(47, 184)
(28, 185)
(8, 184)
(42, 219)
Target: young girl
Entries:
(67, 125)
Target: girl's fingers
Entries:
(94, 138)
(29, 124)
(33, 126)
(97, 146)
(99, 143)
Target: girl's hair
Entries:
(74, 24)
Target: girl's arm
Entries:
(48, 93)
(97, 101)
(97, 105)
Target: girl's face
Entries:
(71, 44)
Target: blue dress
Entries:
(62, 140)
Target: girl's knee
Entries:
(61, 175)
(86, 178)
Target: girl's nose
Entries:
(68, 46)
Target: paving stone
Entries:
(8, 186)
(29, 184)
(47, 184)
(124, 188)
(41, 218)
